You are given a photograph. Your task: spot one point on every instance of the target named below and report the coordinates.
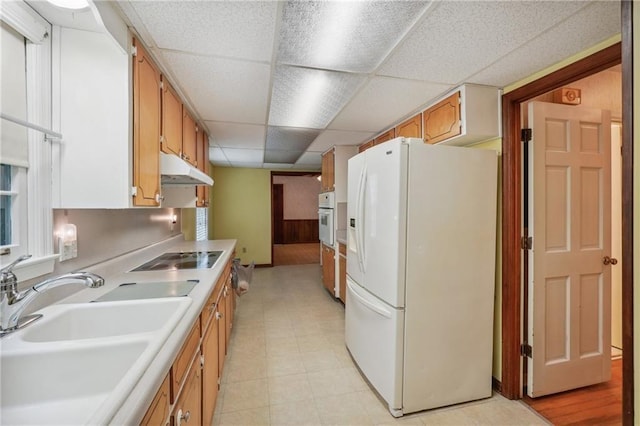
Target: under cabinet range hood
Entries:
(175, 171)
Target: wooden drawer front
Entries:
(208, 310)
(342, 248)
(188, 410)
(442, 121)
(221, 309)
(181, 364)
(158, 412)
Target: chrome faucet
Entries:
(13, 303)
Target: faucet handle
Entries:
(7, 277)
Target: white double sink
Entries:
(79, 362)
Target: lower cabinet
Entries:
(189, 392)
(342, 271)
(188, 409)
(328, 269)
(158, 412)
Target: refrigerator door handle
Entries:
(380, 310)
(360, 218)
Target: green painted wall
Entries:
(240, 208)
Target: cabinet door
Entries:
(171, 120)
(328, 268)
(202, 158)
(328, 171)
(158, 412)
(442, 121)
(179, 368)
(412, 128)
(221, 310)
(210, 372)
(386, 136)
(188, 409)
(342, 272)
(146, 129)
(365, 146)
(189, 135)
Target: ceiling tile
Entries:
(459, 38)
(275, 156)
(309, 98)
(231, 135)
(246, 164)
(329, 138)
(588, 27)
(223, 89)
(383, 102)
(349, 36)
(310, 159)
(243, 155)
(290, 138)
(216, 155)
(232, 29)
(277, 166)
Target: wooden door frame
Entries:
(282, 173)
(512, 255)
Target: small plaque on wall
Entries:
(567, 96)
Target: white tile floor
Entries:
(287, 365)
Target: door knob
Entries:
(609, 260)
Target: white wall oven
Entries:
(326, 204)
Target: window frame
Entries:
(34, 208)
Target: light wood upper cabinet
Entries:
(386, 136)
(328, 171)
(146, 129)
(171, 120)
(202, 158)
(468, 115)
(189, 136)
(365, 146)
(412, 128)
(442, 121)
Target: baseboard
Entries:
(264, 265)
(496, 385)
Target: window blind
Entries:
(14, 149)
(202, 225)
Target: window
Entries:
(25, 155)
(202, 224)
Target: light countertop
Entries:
(135, 406)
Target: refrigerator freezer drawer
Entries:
(374, 336)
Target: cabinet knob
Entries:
(180, 416)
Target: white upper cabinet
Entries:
(93, 161)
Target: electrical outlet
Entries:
(244, 249)
(68, 250)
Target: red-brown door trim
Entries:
(511, 208)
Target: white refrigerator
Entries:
(421, 245)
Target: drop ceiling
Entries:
(278, 83)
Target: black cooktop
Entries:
(181, 260)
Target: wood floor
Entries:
(296, 254)
(593, 405)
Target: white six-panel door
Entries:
(570, 221)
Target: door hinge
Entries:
(161, 139)
(526, 243)
(134, 51)
(525, 350)
(162, 85)
(525, 135)
(134, 191)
